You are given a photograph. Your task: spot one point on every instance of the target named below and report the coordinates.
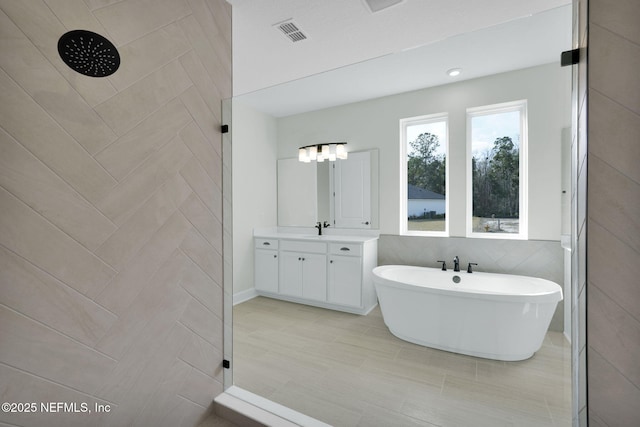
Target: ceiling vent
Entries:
(291, 30)
(378, 5)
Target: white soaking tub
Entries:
(495, 316)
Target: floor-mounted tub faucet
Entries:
(456, 263)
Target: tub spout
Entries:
(456, 263)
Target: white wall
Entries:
(254, 186)
(259, 140)
(375, 124)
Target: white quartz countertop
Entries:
(311, 236)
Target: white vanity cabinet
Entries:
(266, 265)
(345, 274)
(322, 272)
(303, 275)
(303, 267)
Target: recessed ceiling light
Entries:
(454, 72)
(378, 5)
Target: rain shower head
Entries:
(88, 53)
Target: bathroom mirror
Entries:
(297, 193)
(300, 206)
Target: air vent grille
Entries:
(291, 30)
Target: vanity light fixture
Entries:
(453, 72)
(321, 152)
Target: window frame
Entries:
(523, 226)
(404, 198)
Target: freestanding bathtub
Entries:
(495, 316)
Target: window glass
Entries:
(424, 145)
(497, 150)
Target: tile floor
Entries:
(213, 420)
(348, 370)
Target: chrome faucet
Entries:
(456, 263)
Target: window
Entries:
(424, 175)
(497, 171)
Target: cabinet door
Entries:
(266, 270)
(352, 189)
(345, 280)
(314, 277)
(291, 274)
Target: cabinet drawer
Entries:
(261, 243)
(354, 249)
(298, 246)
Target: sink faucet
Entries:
(456, 263)
(319, 225)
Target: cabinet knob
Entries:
(275, 256)
(331, 262)
(366, 223)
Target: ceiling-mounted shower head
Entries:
(88, 53)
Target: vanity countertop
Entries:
(310, 236)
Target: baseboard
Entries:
(245, 295)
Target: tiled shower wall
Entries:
(537, 258)
(111, 212)
(613, 214)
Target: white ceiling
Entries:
(413, 43)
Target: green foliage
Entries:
(496, 181)
(426, 169)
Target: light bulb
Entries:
(332, 152)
